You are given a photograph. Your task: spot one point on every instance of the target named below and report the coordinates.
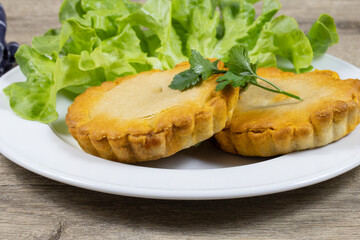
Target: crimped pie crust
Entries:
(103, 130)
(267, 124)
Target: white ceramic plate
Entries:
(204, 172)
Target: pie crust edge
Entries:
(328, 124)
(174, 131)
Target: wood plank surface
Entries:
(33, 207)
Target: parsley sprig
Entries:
(241, 73)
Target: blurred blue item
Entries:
(7, 50)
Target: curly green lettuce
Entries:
(101, 40)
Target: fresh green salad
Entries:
(101, 40)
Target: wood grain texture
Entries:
(33, 207)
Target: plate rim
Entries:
(157, 193)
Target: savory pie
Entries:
(139, 118)
(269, 124)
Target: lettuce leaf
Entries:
(200, 38)
(183, 9)
(70, 9)
(269, 9)
(30, 99)
(323, 34)
(237, 16)
(156, 16)
(282, 37)
(240, 24)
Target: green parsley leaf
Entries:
(239, 60)
(221, 85)
(233, 79)
(241, 72)
(185, 80)
(254, 67)
(201, 65)
(215, 63)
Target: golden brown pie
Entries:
(269, 124)
(139, 118)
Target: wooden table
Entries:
(33, 207)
